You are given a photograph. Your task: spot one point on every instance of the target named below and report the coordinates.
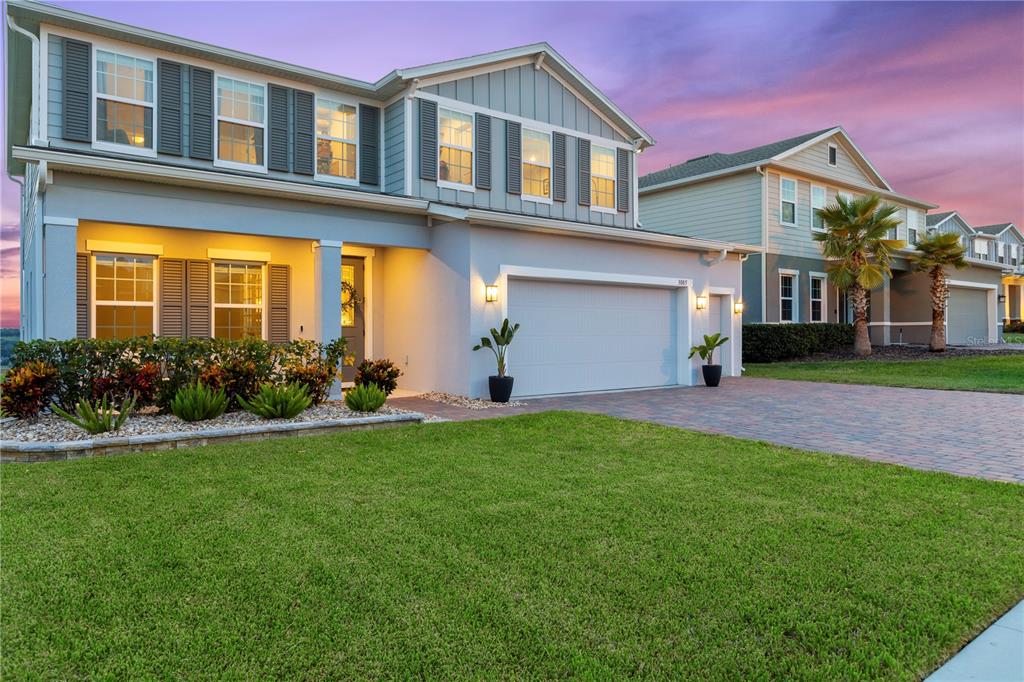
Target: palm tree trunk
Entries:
(939, 291)
(861, 339)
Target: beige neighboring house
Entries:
(1003, 244)
(767, 197)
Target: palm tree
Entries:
(935, 252)
(855, 239)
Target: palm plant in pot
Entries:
(712, 373)
(499, 385)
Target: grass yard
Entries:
(992, 373)
(540, 546)
(1011, 337)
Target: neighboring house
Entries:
(1004, 244)
(767, 197)
(184, 189)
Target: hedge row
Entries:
(775, 342)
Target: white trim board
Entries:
(530, 272)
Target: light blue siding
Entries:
(394, 148)
(54, 87)
(728, 209)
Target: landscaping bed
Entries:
(907, 352)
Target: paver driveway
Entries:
(971, 434)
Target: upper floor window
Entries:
(1000, 254)
(124, 100)
(602, 177)
(833, 155)
(335, 139)
(455, 160)
(123, 296)
(981, 247)
(240, 121)
(536, 164)
(237, 300)
(913, 225)
(787, 199)
(817, 203)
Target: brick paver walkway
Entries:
(970, 434)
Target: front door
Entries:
(353, 322)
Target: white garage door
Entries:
(590, 337)
(967, 316)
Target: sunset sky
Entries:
(933, 93)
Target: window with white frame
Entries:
(787, 201)
(787, 297)
(981, 247)
(240, 121)
(1000, 253)
(845, 195)
(818, 298)
(124, 100)
(602, 177)
(833, 155)
(237, 300)
(536, 164)
(1013, 253)
(335, 139)
(913, 225)
(123, 296)
(455, 157)
(817, 203)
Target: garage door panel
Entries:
(590, 337)
(967, 316)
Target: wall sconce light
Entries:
(702, 302)
(491, 293)
(737, 307)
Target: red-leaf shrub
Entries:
(26, 389)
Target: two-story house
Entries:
(178, 188)
(768, 196)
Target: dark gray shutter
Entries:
(482, 147)
(197, 297)
(277, 128)
(369, 144)
(77, 90)
(622, 186)
(82, 296)
(558, 182)
(201, 114)
(304, 124)
(514, 157)
(428, 139)
(583, 163)
(168, 108)
(278, 328)
(172, 297)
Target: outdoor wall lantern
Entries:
(702, 302)
(737, 307)
(491, 293)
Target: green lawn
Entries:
(1010, 337)
(994, 373)
(540, 546)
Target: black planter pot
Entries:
(501, 388)
(712, 374)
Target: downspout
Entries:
(764, 243)
(35, 136)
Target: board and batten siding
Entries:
(728, 209)
(394, 148)
(814, 160)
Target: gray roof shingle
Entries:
(711, 163)
(933, 219)
(992, 229)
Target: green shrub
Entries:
(317, 377)
(199, 402)
(100, 416)
(26, 389)
(278, 401)
(1016, 327)
(365, 398)
(775, 342)
(383, 373)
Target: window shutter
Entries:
(172, 297)
(277, 128)
(304, 123)
(201, 114)
(168, 107)
(428, 140)
(622, 186)
(482, 150)
(77, 90)
(514, 157)
(82, 296)
(583, 161)
(558, 182)
(369, 144)
(278, 326)
(197, 289)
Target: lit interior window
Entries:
(335, 139)
(602, 177)
(536, 164)
(455, 160)
(124, 296)
(237, 300)
(124, 100)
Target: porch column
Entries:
(327, 283)
(59, 275)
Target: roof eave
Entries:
(701, 178)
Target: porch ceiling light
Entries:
(737, 307)
(702, 302)
(491, 293)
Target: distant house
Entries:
(767, 197)
(1004, 244)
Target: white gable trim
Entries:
(859, 156)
